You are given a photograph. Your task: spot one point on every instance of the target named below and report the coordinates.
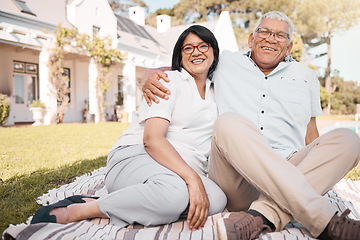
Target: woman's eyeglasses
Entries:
(189, 49)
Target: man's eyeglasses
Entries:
(189, 49)
(279, 36)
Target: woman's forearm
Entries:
(164, 153)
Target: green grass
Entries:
(337, 117)
(34, 160)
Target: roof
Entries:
(38, 11)
(221, 28)
(137, 39)
(169, 38)
(126, 25)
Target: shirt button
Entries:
(262, 111)
(266, 78)
(261, 128)
(263, 95)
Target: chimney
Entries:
(163, 23)
(137, 14)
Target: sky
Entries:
(345, 46)
(156, 4)
(345, 54)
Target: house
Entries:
(26, 38)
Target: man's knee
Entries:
(348, 138)
(349, 142)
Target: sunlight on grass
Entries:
(27, 149)
(34, 160)
(337, 117)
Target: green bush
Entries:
(37, 103)
(4, 108)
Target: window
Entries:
(19, 67)
(19, 89)
(23, 7)
(24, 67)
(31, 68)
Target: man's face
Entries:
(267, 53)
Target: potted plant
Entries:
(37, 108)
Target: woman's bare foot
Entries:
(78, 211)
(61, 214)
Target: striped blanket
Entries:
(346, 194)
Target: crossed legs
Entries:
(140, 191)
(253, 176)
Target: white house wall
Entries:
(111, 94)
(86, 14)
(224, 33)
(7, 55)
(47, 91)
(79, 80)
(22, 39)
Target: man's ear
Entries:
(251, 40)
(288, 50)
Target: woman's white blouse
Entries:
(191, 120)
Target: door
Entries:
(25, 91)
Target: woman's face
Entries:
(198, 62)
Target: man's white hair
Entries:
(280, 16)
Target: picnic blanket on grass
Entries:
(346, 194)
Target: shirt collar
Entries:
(286, 59)
(186, 76)
(280, 66)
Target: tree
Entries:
(104, 56)
(244, 14)
(64, 37)
(98, 49)
(315, 22)
(121, 7)
(318, 20)
(298, 47)
(345, 95)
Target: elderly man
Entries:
(266, 153)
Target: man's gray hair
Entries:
(276, 15)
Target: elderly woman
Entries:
(157, 169)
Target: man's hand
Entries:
(152, 87)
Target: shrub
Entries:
(37, 104)
(4, 108)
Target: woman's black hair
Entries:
(206, 35)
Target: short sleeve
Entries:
(315, 95)
(163, 109)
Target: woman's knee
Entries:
(173, 197)
(216, 196)
(217, 201)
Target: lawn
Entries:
(34, 160)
